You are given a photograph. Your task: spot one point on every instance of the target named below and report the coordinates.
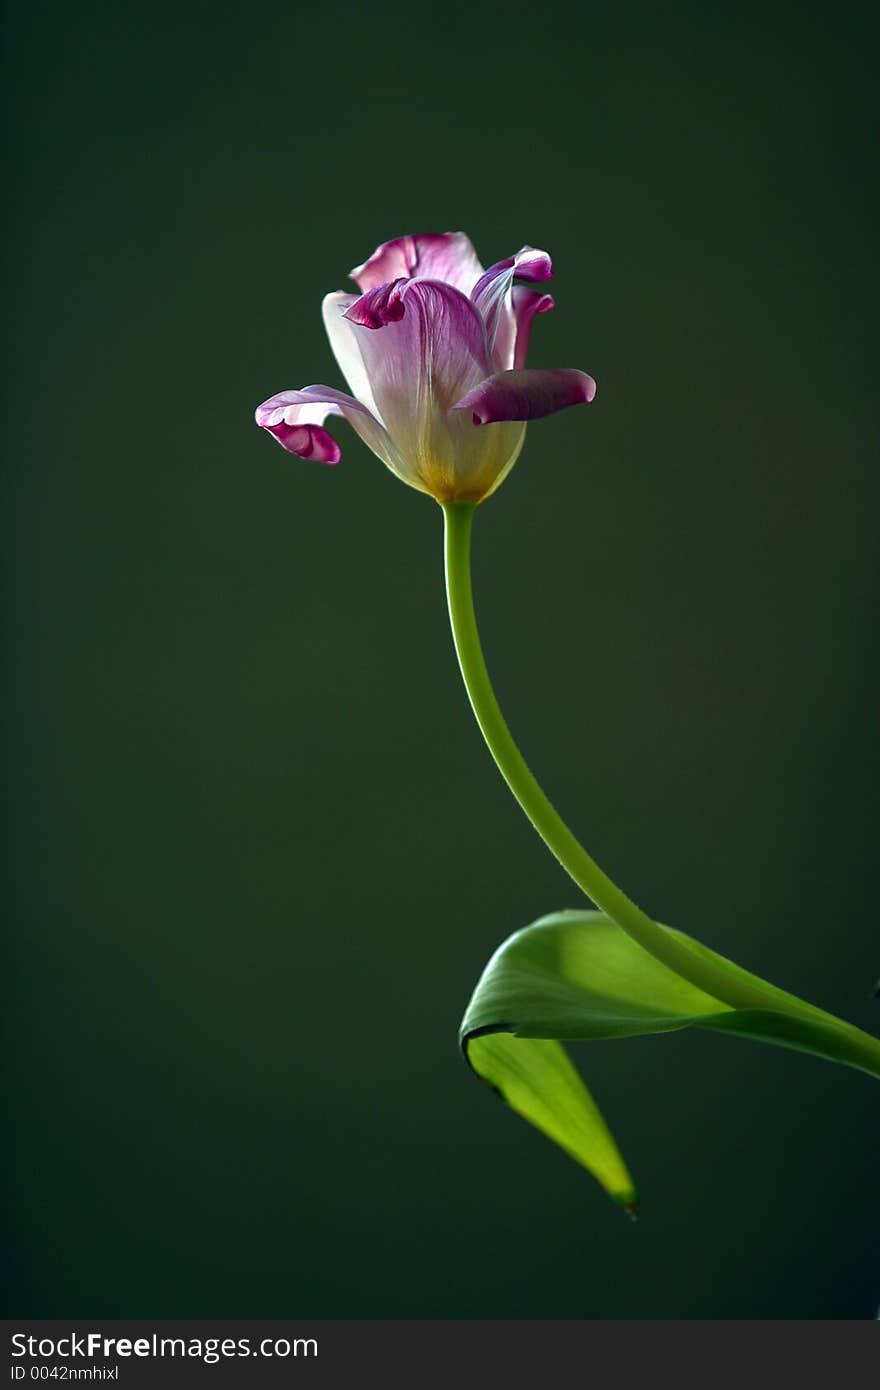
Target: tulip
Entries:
(433, 350)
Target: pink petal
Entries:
(343, 337)
(446, 256)
(526, 395)
(295, 419)
(379, 306)
(492, 296)
(526, 303)
(423, 346)
(307, 442)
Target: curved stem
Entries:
(734, 987)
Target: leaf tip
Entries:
(630, 1203)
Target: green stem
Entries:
(707, 974)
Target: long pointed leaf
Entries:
(537, 1079)
(576, 975)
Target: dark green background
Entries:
(259, 853)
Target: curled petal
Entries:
(306, 441)
(446, 256)
(493, 298)
(429, 350)
(526, 303)
(431, 345)
(526, 395)
(514, 324)
(295, 418)
(346, 349)
(379, 306)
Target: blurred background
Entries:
(259, 854)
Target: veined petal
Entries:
(515, 324)
(378, 307)
(295, 418)
(446, 256)
(423, 346)
(306, 441)
(526, 395)
(526, 304)
(492, 297)
(345, 346)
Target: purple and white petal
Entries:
(427, 352)
(515, 324)
(378, 307)
(419, 340)
(346, 347)
(295, 419)
(446, 256)
(526, 395)
(526, 303)
(493, 298)
(307, 441)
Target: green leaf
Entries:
(536, 1078)
(576, 975)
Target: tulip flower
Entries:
(433, 349)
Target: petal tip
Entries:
(526, 395)
(378, 307)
